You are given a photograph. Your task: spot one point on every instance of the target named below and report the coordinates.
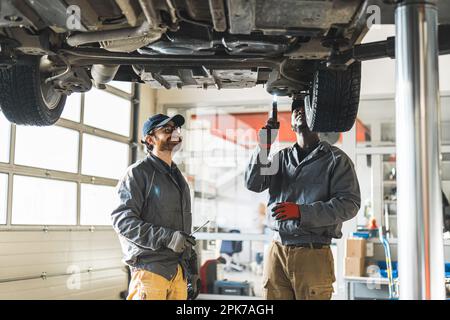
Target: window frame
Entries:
(118, 94)
(87, 224)
(12, 169)
(8, 158)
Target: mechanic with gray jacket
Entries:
(154, 220)
(313, 189)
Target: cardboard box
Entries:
(369, 249)
(354, 267)
(356, 247)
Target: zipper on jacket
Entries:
(181, 200)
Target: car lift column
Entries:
(419, 199)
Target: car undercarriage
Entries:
(304, 49)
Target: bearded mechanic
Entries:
(313, 189)
(153, 219)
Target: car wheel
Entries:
(333, 102)
(26, 99)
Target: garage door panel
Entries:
(61, 236)
(96, 285)
(29, 254)
(57, 268)
(48, 247)
(43, 259)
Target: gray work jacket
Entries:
(324, 184)
(152, 207)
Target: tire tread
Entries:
(20, 98)
(335, 99)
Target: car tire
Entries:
(22, 92)
(333, 102)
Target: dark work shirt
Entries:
(321, 180)
(304, 152)
(172, 170)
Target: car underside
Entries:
(304, 49)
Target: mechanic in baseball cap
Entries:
(162, 131)
(154, 218)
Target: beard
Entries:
(169, 145)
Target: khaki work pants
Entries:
(298, 273)
(145, 285)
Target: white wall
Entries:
(378, 76)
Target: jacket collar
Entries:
(323, 146)
(160, 165)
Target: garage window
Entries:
(97, 203)
(44, 201)
(72, 110)
(5, 129)
(3, 197)
(124, 86)
(104, 157)
(47, 147)
(106, 111)
(65, 174)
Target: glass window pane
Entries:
(97, 203)
(103, 157)
(108, 112)
(375, 125)
(72, 109)
(5, 130)
(48, 202)
(388, 132)
(122, 85)
(51, 147)
(3, 197)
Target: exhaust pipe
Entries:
(102, 74)
(110, 35)
(125, 40)
(149, 28)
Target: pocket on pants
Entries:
(147, 293)
(269, 291)
(320, 292)
(142, 294)
(147, 285)
(273, 292)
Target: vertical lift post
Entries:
(420, 242)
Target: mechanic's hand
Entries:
(267, 135)
(286, 211)
(180, 241)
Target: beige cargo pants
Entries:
(145, 285)
(297, 273)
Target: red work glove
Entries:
(286, 211)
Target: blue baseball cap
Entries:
(159, 120)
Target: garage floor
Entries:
(249, 276)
